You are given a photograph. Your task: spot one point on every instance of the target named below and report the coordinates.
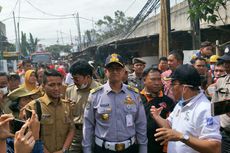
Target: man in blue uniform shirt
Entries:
(114, 118)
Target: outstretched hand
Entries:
(4, 126)
(155, 111)
(166, 134)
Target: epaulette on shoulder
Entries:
(96, 89)
(133, 88)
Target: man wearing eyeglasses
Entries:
(114, 118)
(190, 128)
(78, 93)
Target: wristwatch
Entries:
(185, 137)
(64, 150)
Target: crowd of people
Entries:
(81, 108)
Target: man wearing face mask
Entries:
(4, 101)
(190, 127)
(78, 93)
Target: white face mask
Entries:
(83, 86)
(4, 90)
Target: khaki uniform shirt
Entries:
(135, 81)
(80, 98)
(222, 92)
(4, 106)
(56, 122)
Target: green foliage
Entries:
(109, 27)
(206, 9)
(55, 50)
(28, 46)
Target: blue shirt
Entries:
(114, 117)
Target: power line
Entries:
(46, 13)
(31, 18)
(145, 11)
(129, 6)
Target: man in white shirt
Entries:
(190, 128)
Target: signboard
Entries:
(10, 55)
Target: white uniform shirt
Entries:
(193, 119)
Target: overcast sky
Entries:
(46, 30)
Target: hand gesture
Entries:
(24, 142)
(155, 111)
(4, 126)
(166, 134)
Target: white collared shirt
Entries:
(193, 119)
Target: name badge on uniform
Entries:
(129, 120)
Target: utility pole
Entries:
(19, 47)
(61, 37)
(195, 27)
(165, 28)
(71, 40)
(79, 31)
(57, 38)
(16, 35)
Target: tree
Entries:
(206, 9)
(55, 50)
(28, 46)
(24, 44)
(109, 27)
(32, 43)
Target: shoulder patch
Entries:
(133, 88)
(96, 89)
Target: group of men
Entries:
(159, 109)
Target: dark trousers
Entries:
(131, 149)
(76, 146)
(225, 145)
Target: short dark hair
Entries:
(50, 72)
(151, 69)
(26, 61)
(179, 55)
(199, 58)
(13, 76)
(219, 63)
(81, 67)
(205, 44)
(3, 74)
(163, 59)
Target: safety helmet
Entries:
(213, 58)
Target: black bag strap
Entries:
(38, 109)
(39, 113)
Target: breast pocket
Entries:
(103, 114)
(47, 125)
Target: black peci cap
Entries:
(187, 74)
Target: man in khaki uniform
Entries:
(222, 92)
(135, 79)
(57, 127)
(4, 100)
(78, 94)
